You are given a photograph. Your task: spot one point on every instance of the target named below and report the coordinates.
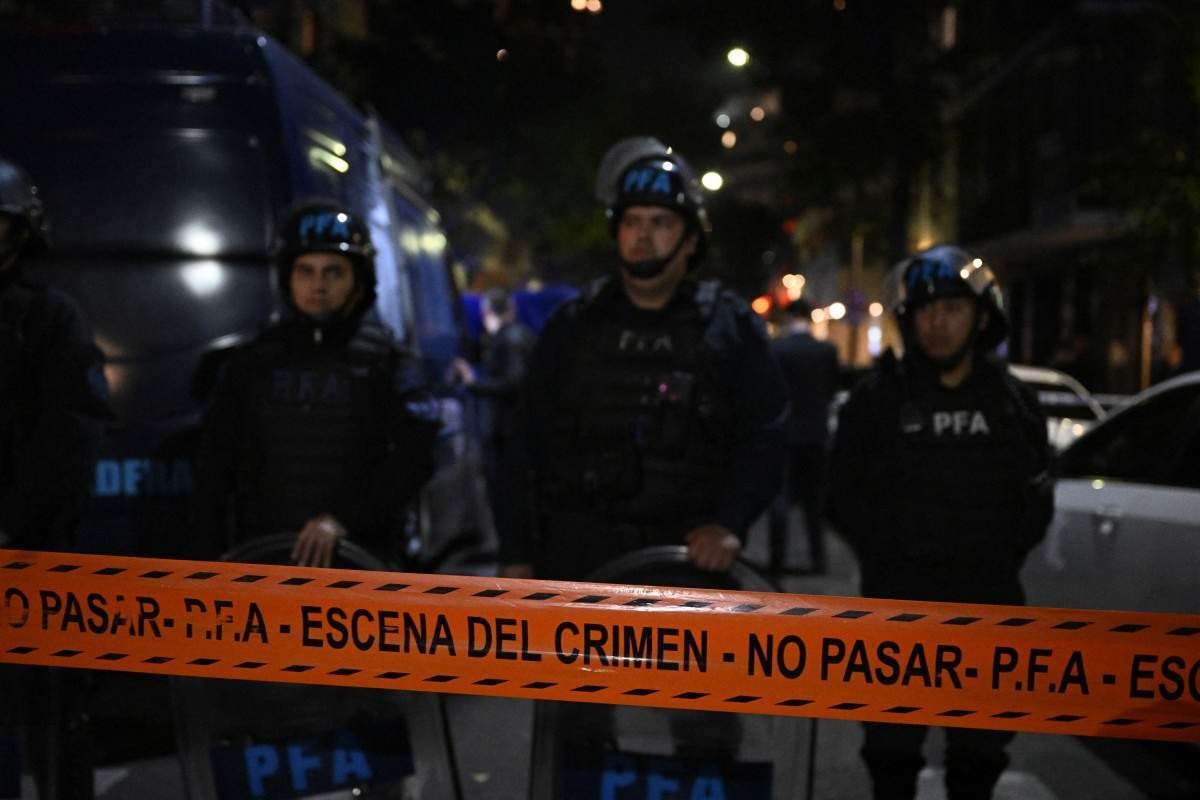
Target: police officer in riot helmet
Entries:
(652, 406)
(53, 395)
(53, 403)
(320, 427)
(940, 483)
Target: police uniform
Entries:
(53, 401)
(317, 416)
(53, 405)
(941, 492)
(307, 421)
(641, 425)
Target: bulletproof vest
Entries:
(644, 427)
(963, 465)
(16, 308)
(316, 430)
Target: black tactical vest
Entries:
(643, 428)
(17, 306)
(315, 430)
(963, 467)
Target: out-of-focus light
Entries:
(203, 278)
(328, 142)
(790, 147)
(199, 239)
(595, 6)
(793, 281)
(410, 240)
(839, 5)
(977, 263)
(819, 316)
(758, 114)
(925, 242)
(761, 305)
(837, 310)
(501, 54)
(738, 57)
(1097, 484)
(433, 242)
(1077, 429)
(319, 157)
(722, 120)
(875, 309)
(579, 5)
(712, 181)
(728, 140)
(874, 340)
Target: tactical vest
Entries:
(643, 429)
(18, 305)
(316, 429)
(963, 464)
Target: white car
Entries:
(1070, 408)
(1126, 529)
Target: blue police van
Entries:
(164, 153)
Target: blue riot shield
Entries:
(590, 751)
(271, 741)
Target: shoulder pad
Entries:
(374, 341)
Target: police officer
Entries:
(939, 483)
(652, 409)
(53, 395)
(53, 403)
(320, 427)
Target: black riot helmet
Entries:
(947, 271)
(21, 203)
(643, 171)
(324, 226)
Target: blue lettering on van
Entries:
(142, 477)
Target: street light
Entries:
(738, 57)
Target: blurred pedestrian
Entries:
(53, 403)
(506, 346)
(321, 427)
(940, 484)
(810, 369)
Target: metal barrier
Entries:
(586, 750)
(240, 739)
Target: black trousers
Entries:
(974, 760)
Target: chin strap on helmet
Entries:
(652, 267)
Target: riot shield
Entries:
(583, 750)
(269, 741)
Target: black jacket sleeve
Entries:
(755, 472)
(60, 427)
(1039, 471)
(411, 421)
(859, 488)
(216, 461)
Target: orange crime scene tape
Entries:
(1092, 673)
